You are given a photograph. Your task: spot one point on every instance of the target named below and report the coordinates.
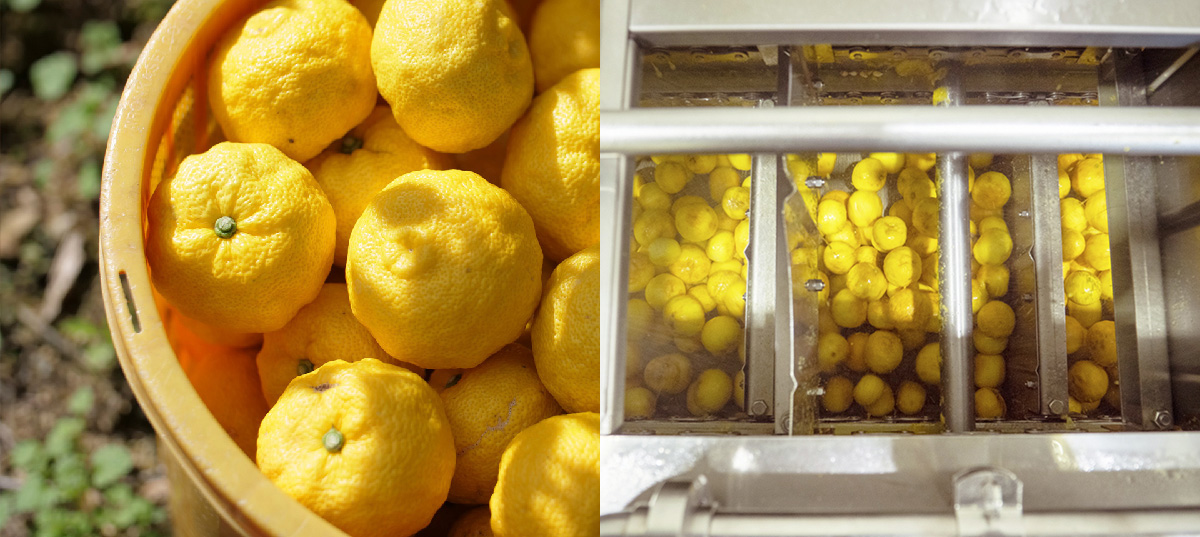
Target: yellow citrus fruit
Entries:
(663, 251)
(1087, 315)
(1087, 178)
(566, 333)
(741, 161)
(904, 184)
(979, 296)
(564, 38)
(457, 73)
(1072, 214)
(733, 302)
(1064, 183)
(671, 176)
(552, 166)
(475, 522)
(868, 390)
(1106, 285)
(839, 394)
(640, 403)
(692, 266)
(662, 288)
(865, 254)
(699, 164)
(993, 247)
(434, 287)
(1087, 381)
(736, 202)
(831, 216)
(240, 237)
(669, 373)
(721, 335)
(322, 331)
(883, 405)
(929, 364)
(989, 404)
(832, 349)
(989, 370)
(856, 360)
(921, 161)
(653, 224)
(741, 239)
(550, 480)
(1101, 341)
(720, 247)
(696, 222)
(910, 397)
(913, 338)
(1096, 211)
(1068, 160)
(639, 316)
(1073, 244)
(1076, 334)
(368, 157)
(879, 315)
(889, 233)
(884, 351)
(995, 279)
(1083, 288)
(685, 315)
(863, 208)
(1096, 252)
(892, 162)
(992, 222)
(709, 393)
(987, 344)
(226, 380)
(721, 179)
(848, 310)
(296, 75)
(839, 257)
(489, 405)
(869, 174)
(923, 245)
(996, 319)
(720, 282)
(652, 196)
(323, 445)
(910, 309)
(980, 161)
(701, 294)
(902, 266)
(641, 270)
(903, 211)
(866, 281)
(925, 216)
(991, 191)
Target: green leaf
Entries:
(8, 508)
(70, 476)
(28, 455)
(102, 124)
(79, 329)
(35, 494)
(100, 42)
(81, 401)
(6, 81)
(62, 523)
(52, 75)
(71, 122)
(100, 356)
(23, 6)
(64, 437)
(42, 171)
(89, 179)
(109, 464)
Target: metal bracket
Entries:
(988, 502)
(679, 507)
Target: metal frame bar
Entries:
(762, 400)
(1029, 23)
(1051, 293)
(915, 129)
(1138, 301)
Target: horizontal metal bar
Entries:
(991, 129)
(1028, 23)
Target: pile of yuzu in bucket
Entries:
(384, 282)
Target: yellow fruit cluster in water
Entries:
(687, 286)
(879, 314)
(1087, 276)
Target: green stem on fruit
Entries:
(351, 143)
(225, 227)
(333, 440)
(305, 366)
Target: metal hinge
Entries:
(988, 502)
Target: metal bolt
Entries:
(1057, 407)
(814, 182)
(758, 408)
(1023, 214)
(1027, 297)
(1030, 384)
(1162, 419)
(814, 285)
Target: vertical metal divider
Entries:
(761, 397)
(954, 276)
(1051, 294)
(1138, 301)
(620, 60)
